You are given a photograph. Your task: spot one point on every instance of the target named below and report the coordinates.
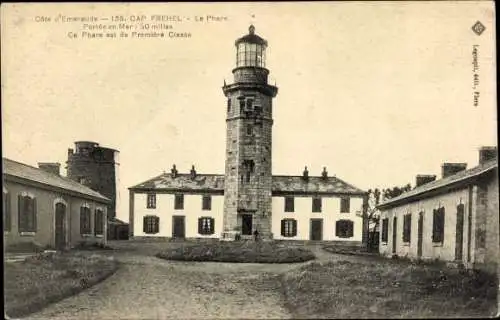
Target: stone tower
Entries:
(97, 168)
(248, 176)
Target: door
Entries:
(420, 233)
(316, 233)
(60, 230)
(460, 233)
(179, 229)
(394, 234)
(246, 224)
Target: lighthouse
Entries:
(249, 121)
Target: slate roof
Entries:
(24, 171)
(280, 184)
(424, 190)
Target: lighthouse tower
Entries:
(248, 176)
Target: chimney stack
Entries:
(422, 179)
(174, 171)
(487, 154)
(305, 174)
(324, 174)
(51, 167)
(449, 169)
(193, 172)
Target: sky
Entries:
(375, 92)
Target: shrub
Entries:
(240, 251)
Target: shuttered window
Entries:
(27, 213)
(385, 230)
(407, 228)
(344, 228)
(85, 227)
(288, 227)
(438, 225)
(207, 203)
(7, 222)
(206, 225)
(289, 204)
(179, 202)
(151, 224)
(316, 205)
(99, 222)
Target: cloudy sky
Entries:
(376, 92)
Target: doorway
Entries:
(246, 224)
(459, 233)
(60, 230)
(179, 227)
(420, 233)
(394, 234)
(316, 232)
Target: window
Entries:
(151, 224)
(242, 105)
(438, 225)
(206, 225)
(344, 228)
(249, 129)
(288, 227)
(345, 205)
(407, 228)
(207, 203)
(151, 201)
(249, 104)
(289, 204)
(179, 202)
(385, 230)
(316, 205)
(99, 222)
(228, 105)
(85, 227)
(248, 168)
(27, 213)
(6, 212)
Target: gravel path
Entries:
(146, 287)
(151, 288)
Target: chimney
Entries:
(487, 154)
(423, 179)
(193, 172)
(449, 169)
(324, 174)
(174, 171)
(51, 167)
(305, 174)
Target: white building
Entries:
(455, 218)
(192, 205)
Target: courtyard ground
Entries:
(332, 286)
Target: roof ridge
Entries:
(58, 176)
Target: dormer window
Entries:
(228, 105)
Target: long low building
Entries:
(44, 208)
(192, 206)
(455, 218)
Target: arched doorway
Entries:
(60, 228)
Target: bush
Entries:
(239, 251)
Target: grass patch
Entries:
(238, 251)
(83, 245)
(32, 284)
(24, 247)
(349, 250)
(346, 289)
